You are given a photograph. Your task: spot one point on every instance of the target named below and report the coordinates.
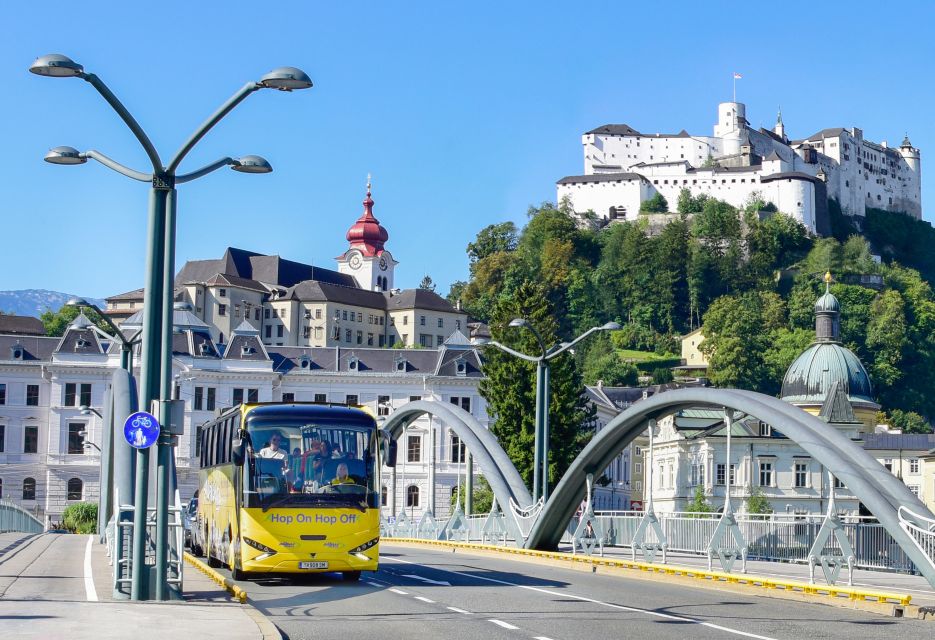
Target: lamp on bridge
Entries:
(541, 453)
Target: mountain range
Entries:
(34, 302)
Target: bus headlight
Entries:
(364, 546)
(258, 546)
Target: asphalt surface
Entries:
(439, 594)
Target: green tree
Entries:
(656, 204)
(699, 503)
(687, 203)
(494, 238)
(55, 322)
(758, 503)
(80, 517)
(662, 375)
(509, 386)
(482, 496)
(603, 363)
(908, 421)
(427, 283)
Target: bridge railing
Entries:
(13, 517)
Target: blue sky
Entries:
(464, 113)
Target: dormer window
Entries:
(353, 363)
(402, 365)
(247, 350)
(16, 351)
(305, 362)
(461, 367)
(205, 349)
(81, 343)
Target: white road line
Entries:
(88, 578)
(540, 638)
(373, 584)
(400, 592)
(619, 607)
(424, 599)
(457, 610)
(505, 625)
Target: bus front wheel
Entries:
(351, 576)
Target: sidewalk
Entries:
(206, 612)
(915, 586)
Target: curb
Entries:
(268, 630)
(885, 603)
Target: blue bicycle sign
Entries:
(141, 430)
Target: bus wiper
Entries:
(278, 503)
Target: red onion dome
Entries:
(368, 234)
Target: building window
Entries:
(76, 431)
(405, 320)
(30, 439)
(381, 341)
(321, 397)
(439, 340)
(70, 394)
(360, 337)
(253, 396)
(32, 395)
(412, 496)
(2, 438)
(369, 339)
(414, 449)
(766, 431)
(441, 323)
(914, 488)
(75, 489)
(2, 393)
(462, 401)
(719, 473)
(913, 465)
(352, 400)
(414, 398)
(256, 313)
(222, 309)
(279, 329)
(888, 464)
(266, 313)
(29, 489)
(238, 397)
(383, 405)
(457, 449)
(288, 397)
(212, 397)
(269, 331)
(222, 293)
(425, 340)
(801, 474)
(422, 321)
(458, 325)
(766, 474)
(347, 335)
(383, 495)
(838, 484)
(199, 396)
(306, 332)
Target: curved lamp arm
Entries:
(206, 126)
(205, 170)
(116, 166)
(512, 352)
(137, 130)
(569, 345)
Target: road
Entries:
(439, 594)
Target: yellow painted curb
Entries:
(813, 590)
(239, 594)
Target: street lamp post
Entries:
(541, 446)
(156, 366)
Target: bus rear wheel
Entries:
(351, 576)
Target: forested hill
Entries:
(750, 277)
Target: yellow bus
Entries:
(290, 488)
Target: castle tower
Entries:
(366, 259)
(910, 154)
(780, 129)
(731, 126)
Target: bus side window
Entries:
(227, 440)
(212, 441)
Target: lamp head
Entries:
(65, 155)
(611, 326)
(252, 164)
(480, 342)
(84, 410)
(77, 302)
(55, 65)
(286, 79)
(518, 322)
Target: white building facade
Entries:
(624, 167)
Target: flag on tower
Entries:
(737, 76)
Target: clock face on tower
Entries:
(382, 264)
(354, 260)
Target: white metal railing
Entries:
(922, 531)
(13, 517)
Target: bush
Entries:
(699, 503)
(80, 517)
(662, 375)
(656, 204)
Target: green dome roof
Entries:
(809, 379)
(827, 303)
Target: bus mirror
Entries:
(237, 451)
(391, 453)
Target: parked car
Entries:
(189, 514)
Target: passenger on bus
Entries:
(342, 477)
(273, 450)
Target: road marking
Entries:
(620, 607)
(505, 625)
(88, 579)
(373, 584)
(457, 610)
(441, 583)
(400, 592)
(424, 599)
(541, 638)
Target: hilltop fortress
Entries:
(624, 167)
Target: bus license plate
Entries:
(313, 565)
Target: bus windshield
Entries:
(308, 464)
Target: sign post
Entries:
(141, 430)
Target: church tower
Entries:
(780, 128)
(366, 259)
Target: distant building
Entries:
(692, 356)
(300, 305)
(21, 325)
(624, 167)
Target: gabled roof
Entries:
(374, 361)
(601, 177)
(773, 156)
(21, 325)
(615, 130)
(418, 299)
(317, 291)
(254, 268)
(136, 294)
(35, 348)
(833, 132)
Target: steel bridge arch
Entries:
(498, 469)
(864, 476)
